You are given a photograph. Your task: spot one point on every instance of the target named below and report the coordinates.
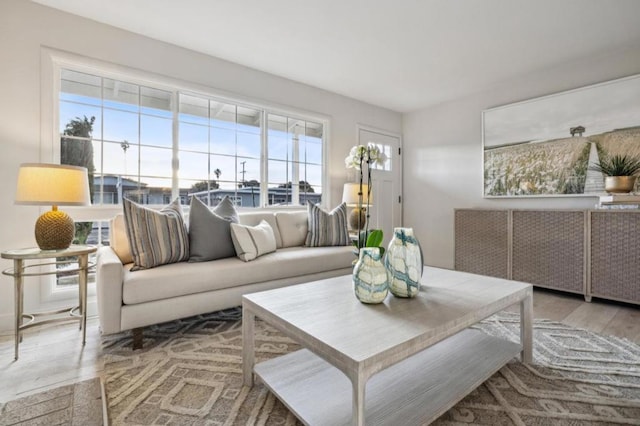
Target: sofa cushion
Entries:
(327, 228)
(180, 279)
(156, 237)
(293, 228)
(252, 242)
(118, 239)
(210, 231)
(254, 218)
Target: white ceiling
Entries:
(399, 54)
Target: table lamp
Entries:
(56, 185)
(351, 196)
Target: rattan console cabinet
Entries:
(595, 253)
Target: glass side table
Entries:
(19, 271)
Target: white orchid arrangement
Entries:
(359, 156)
(364, 154)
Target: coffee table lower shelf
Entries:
(415, 391)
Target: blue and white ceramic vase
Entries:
(370, 280)
(404, 263)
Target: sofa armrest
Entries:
(109, 280)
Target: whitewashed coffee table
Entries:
(414, 357)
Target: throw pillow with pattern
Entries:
(252, 242)
(157, 237)
(327, 228)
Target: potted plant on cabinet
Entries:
(621, 172)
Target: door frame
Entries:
(360, 126)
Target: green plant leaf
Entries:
(617, 165)
(375, 237)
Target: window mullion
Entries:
(264, 163)
(175, 160)
(295, 166)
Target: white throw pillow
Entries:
(252, 242)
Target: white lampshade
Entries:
(52, 184)
(350, 194)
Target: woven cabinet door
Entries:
(482, 242)
(615, 255)
(549, 249)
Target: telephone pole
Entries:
(243, 172)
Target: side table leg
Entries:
(83, 265)
(248, 356)
(526, 328)
(17, 279)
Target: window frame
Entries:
(56, 60)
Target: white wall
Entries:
(25, 27)
(443, 150)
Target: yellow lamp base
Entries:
(358, 218)
(54, 230)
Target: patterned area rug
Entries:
(190, 373)
(79, 404)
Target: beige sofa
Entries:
(131, 300)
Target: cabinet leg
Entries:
(137, 338)
(587, 298)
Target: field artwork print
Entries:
(545, 146)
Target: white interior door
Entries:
(386, 211)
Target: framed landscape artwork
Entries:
(545, 146)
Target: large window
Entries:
(294, 159)
(152, 144)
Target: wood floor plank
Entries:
(552, 305)
(555, 306)
(594, 316)
(49, 357)
(625, 324)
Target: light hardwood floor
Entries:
(53, 356)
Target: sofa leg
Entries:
(137, 338)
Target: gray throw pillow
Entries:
(227, 210)
(210, 231)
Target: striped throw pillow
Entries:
(156, 237)
(327, 228)
(252, 242)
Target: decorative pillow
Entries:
(327, 228)
(293, 227)
(210, 231)
(252, 242)
(227, 210)
(252, 218)
(118, 239)
(156, 237)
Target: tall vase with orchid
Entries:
(361, 156)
